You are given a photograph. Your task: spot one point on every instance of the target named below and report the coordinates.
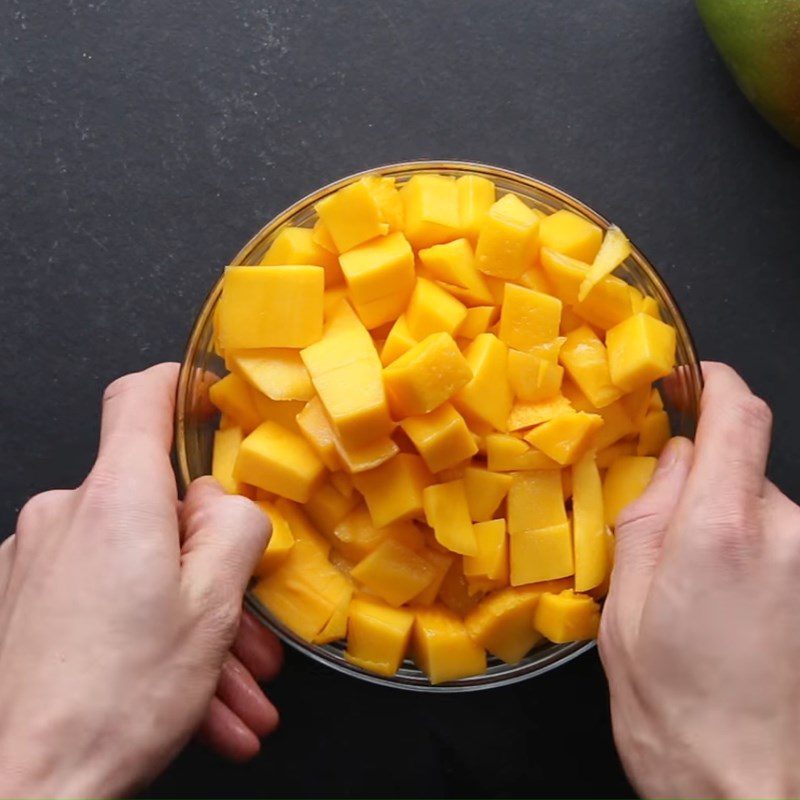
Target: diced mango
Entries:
(441, 437)
(301, 527)
(447, 512)
(567, 617)
(502, 622)
(317, 428)
(336, 627)
(478, 320)
(486, 397)
(585, 358)
(491, 560)
(431, 309)
(426, 376)
(533, 378)
(534, 278)
(574, 236)
(388, 199)
(506, 453)
(430, 204)
(326, 508)
(377, 635)
(393, 491)
(485, 491)
(613, 251)
(454, 264)
(616, 422)
(225, 450)
(398, 341)
(367, 456)
(528, 318)
(280, 461)
(280, 542)
(284, 412)
(321, 236)
(508, 239)
(640, 350)
(637, 404)
(271, 306)
(279, 373)
(524, 415)
(650, 306)
(351, 216)
(476, 195)
(394, 572)
(297, 246)
(356, 535)
(588, 525)
(455, 591)
(608, 455)
(566, 437)
(443, 648)
(379, 270)
(541, 555)
(234, 398)
(654, 433)
(535, 500)
(626, 479)
(440, 562)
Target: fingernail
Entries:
(669, 455)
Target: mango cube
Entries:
(588, 525)
(508, 239)
(502, 622)
(377, 635)
(571, 235)
(430, 204)
(277, 306)
(616, 421)
(398, 341)
(394, 572)
(356, 536)
(454, 264)
(567, 617)
(533, 378)
(393, 491)
(506, 453)
(441, 437)
(477, 321)
(585, 358)
(541, 555)
(525, 415)
(640, 350)
(626, 479)
(431, 309)
(351, 216)
(280, 542)
(280, 461)
(447, 512)
(654, 433)
(566, 437)
(426, 376)
(486, 396)
(608, 455)
(476, 195)
(297, 246)
(528, 318)
(491, 560)
(535, 500)
(235, 399)
(316, 427)
(321, 236)
(223, 457)
(485, 491)
(441, 562)
(443, 648)
(388, 199)
(326, 508)
(278, 373)
(379, 270)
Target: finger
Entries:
(137, 417)
(258, 648)
(238, 689)
(224, 732)
(225, 536)
(642, 526)
(732, 441)
(7, 551)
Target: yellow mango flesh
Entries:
(277, 306)
(443, 648)
(441, 400)
(625, 480)
(377, 635)
(567, 617)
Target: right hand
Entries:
(700, 635)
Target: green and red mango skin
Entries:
(759, 40)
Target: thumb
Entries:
(224, 535)
(641, 526)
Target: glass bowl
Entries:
(195, 420)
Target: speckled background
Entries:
(143, 141)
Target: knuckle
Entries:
(220, 612)
(754, 411)
(37, 509)
(637, 516)
(118, 387)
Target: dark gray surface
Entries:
(142, 142)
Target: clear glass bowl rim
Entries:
(556, 655)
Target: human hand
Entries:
(700, 636)
(119, 607)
